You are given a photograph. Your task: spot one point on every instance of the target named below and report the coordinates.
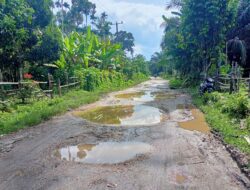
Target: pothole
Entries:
(137, 96)
(123, 115)
(130, 95)
(198, 123)
(180, 178)
(164, 95)
(103, 153)
(147, 97)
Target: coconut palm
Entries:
(174, 4)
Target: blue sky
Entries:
(141, 17)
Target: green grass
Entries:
(217, 108)
(174, 83)
(25, 115)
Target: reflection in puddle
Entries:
(124, 115)
(137, 96)
(130, 95)
(103, 153)
(164, 95)
(180, 178)
(147, 97)
(198, 123)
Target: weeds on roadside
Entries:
(228, 114)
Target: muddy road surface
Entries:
(145, 138)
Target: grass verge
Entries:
(174, 83)
(26, 115)
(228, 116)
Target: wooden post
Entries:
(67, 80)
(237, 78)
(249, 86)
(1, 78)
(1, 86)
(231, 80)
(21, 74)
(50, 85)
(59, 87)
(233, 85)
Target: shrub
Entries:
(175, 83)
(209, 98)
(236, 105)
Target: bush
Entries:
(209, 98)
(25, 92)
(236, 105)
(93, 78)
(175, 83)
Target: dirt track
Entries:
(179, 159)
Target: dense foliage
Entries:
(195, 37)
(41, 37)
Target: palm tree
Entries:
(61, 4)
(174, 4)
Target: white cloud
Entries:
(138, 49)
(142, 18)
(148, 16)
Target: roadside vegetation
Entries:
(60, 40)
(201, 40)
(20, 116)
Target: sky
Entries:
(143, 18)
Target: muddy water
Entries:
(198, 123)
(103, 153)
(147, 97)
(137, 96)
(180, 178)
(123, 115)
(164, 95)
(130, 95)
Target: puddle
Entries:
(164, 95)
(137, 96)
(147, 97)
(130, 95)
(123, 115)
(103, 153)
(198, 123)
(180, 178)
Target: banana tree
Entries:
(81, 49)
(110, 54)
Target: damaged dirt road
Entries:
(148, 137)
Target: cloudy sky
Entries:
(141, 17)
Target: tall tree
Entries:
(15, 42)
(242, 30)
(103, 26)
(204, 25)
(61, 14)
(42, 12)
(126, 39)
(84, 7)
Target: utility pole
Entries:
(62, 4)
(117, 26)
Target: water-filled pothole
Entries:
(130, 95)
(137, 96)
(164, 95)
(103, 153)
(198, 123)
(180, 178)
(123, 115)
(146, 97)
